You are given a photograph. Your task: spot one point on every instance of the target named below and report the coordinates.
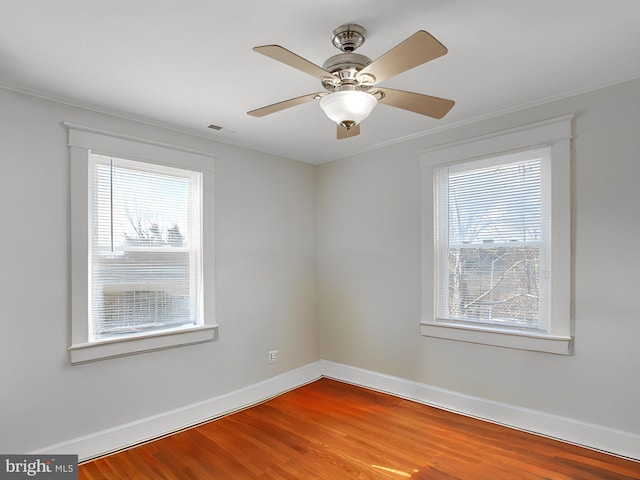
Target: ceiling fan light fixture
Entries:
(348, 108)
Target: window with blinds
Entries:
(492, 220)
(145, 267)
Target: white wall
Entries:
(369, 261)
(265, 284)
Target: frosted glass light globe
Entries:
(349, 107)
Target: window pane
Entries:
(496, 285)
(495, 204)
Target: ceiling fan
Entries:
(351, 79)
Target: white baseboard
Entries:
(145, 429)
(617, 442)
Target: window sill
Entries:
(516, 339)
(89, 352)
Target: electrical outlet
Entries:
(273, 356)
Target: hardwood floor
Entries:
(329, 430)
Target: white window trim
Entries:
(82, 141)
(556, 133)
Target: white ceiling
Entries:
(186, 64)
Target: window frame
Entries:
(556, 134)
(82, 142)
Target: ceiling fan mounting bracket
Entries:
(379, 94)
(348, 37)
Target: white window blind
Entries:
(145, 248)
(493, 240)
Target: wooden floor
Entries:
(334, 431)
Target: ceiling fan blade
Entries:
(434, 107)
(292, 102)
(419, 48)
(344, 133)
(283, 55)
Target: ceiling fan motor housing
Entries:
(345, 67)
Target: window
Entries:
(141, 234)
(496, 246)
(145, 271)
(492, 242)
